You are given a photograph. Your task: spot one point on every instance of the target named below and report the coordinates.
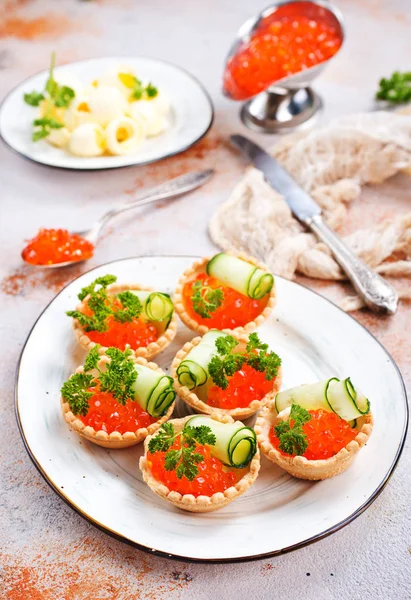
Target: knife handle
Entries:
(377, 293)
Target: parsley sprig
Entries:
(290, 433)
(228, 362)
(104, 306)
(206, 299)
(138, 90)
(117, 379)
(395, 89)
(56, 96)
(43, 127)
(183, 460)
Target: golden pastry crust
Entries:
(115, 439)
(301, 467)
(200, 267)
(147, 352)
(192, 399)
(200, 504)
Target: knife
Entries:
(377, 293)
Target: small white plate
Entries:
(278, 513)
(191, 115)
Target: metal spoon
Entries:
(169, 189)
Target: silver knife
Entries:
(377, 293)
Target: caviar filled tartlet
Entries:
(226, 374)
(117, 399)
(315, 430)
(227, 291)
(124, 316)
(201, 463)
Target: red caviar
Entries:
(136, 333)
(236, 309)
(212, 477)
(243, 387)
(107, 414)
(54, 246)
(286, 42)
(326, 433)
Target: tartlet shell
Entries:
(199, 267)
(301, 467)
(115, 439)
(147, 352)
(199, 504)
(191, 398)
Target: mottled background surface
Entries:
(48, 552)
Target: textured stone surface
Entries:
(47, 551)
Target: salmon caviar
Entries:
(326, 435)
(54, 246)
(212, 476)
(284, 43)
(136, 333)
(107, 414)
(236, 309)
(243, 387)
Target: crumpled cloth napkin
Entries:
(331, 163)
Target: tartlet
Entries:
(199, 504)
(148, 352)
(200, 267)
(115, 439)
(192, 399)
(301, 467)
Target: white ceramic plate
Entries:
(278, 513)
(191, 118)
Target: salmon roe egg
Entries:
(54, 246)
(243, 387)
(136, 333)
(284, 43)
(107, 414)
(236, 309)
(212, 476)
(326, 433)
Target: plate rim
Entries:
(109, 168)
(177, 557)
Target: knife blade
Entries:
(302, 205)
(377, 293)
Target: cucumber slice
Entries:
(192, 371)
(157, 307)
(153, 390)
(235, 444)
(342, 397)
(245, 278)
(360, 400)
(310, 396)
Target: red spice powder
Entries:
(24, 279)
(200, 156)
(49, 26)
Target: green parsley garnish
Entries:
(206, 299)
(229, 362)
(290, 433)
(33, 98)
(184, 460)
(117, 378)
(104, 306)
(43, 128)
(58, 96)
(138, 91)
(76, 391)
(396, 89)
